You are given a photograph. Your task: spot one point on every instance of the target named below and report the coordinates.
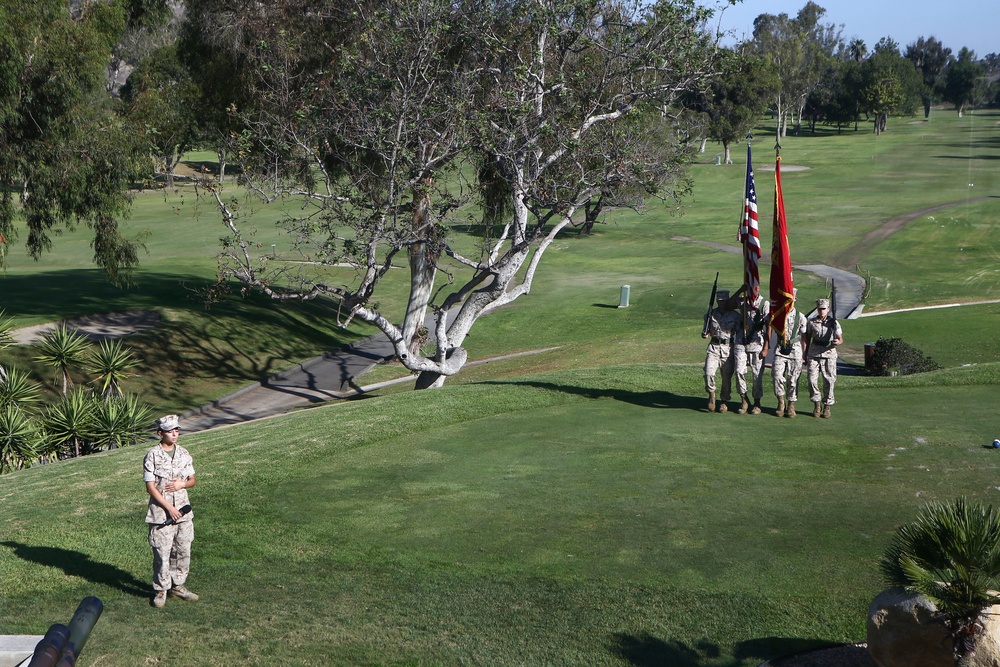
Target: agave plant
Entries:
(6, 338)
(951, 556)
(62, 347)
(70, 421)
(110, 363)
(121, 421)
(18, 439)
(18, 391)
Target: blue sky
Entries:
(955, 23)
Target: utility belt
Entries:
(719, 341)
(787, 349)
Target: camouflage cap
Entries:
(822, 303)
(168, 423)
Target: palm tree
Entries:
(18, 439)
(62, 347)
(71, 420)
(121, 421)
(110, 363)
(858, 49)
(951, 556)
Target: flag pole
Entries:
(743, 306)
(746, 255)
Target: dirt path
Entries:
(853, 255)
(94, 327)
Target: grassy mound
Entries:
(594, 517)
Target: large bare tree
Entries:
(385, 123)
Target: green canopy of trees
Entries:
(65, 156)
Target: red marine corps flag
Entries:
(782, 284)
(749, 235)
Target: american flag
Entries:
(749, 235)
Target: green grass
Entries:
(591, 517)
(575, 507)
(855, 183)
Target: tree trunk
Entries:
(592, 210)
(423, 267)
(221, 152)
(729, 154)
(170, 160)
(927, 107)
(704, 142)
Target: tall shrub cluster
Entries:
(894, 356)
(83, 419)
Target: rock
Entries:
(902, 633)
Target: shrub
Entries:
(951, 555)
(894, 356)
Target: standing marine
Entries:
(787, 365)
(752, 342)
(720, 328)
(823, 335)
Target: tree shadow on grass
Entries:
(213, 345)
(646, 399)
(772, 648)
(79, 564)
(87, 291)
(645, 650)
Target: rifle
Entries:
(711, 302)
(169, 522)
(833, 299)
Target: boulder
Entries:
(902, 632)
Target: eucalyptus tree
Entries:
(150, 25)
(889, 84)
(735, 101)
(62, 348)
(384, 119)
(930, 57)
(800, 49)
(964, 81)
(65, 157)
(161, 105)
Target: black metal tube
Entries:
(83, 622)
(48, 650)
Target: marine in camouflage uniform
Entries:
(823, 335)
(720, 328)
(750, 352)
(168, 471)
(787, 365)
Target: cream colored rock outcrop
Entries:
(902, 632)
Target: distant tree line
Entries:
(805, 73)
